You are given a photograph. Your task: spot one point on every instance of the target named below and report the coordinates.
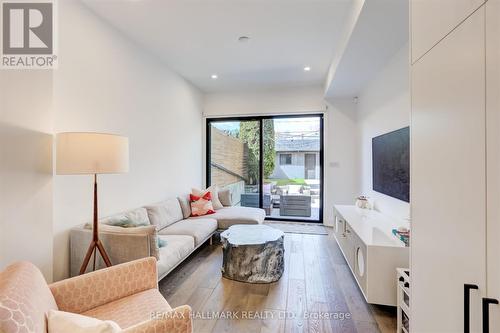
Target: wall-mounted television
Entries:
(391, 164)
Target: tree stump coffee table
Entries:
(252, 253)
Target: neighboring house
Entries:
(296, 157)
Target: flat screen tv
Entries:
(391, 164)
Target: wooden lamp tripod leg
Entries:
(95, 244)
(86, 260)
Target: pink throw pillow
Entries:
(201, 205)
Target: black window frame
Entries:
(260, 119)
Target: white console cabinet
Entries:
(371, 251)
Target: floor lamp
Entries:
(80, 153)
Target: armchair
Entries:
(127, 294)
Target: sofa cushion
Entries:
(229, 216)
(225, 197)
(199, 229)
(134, 218)
(164, 213)
(178, 247)
(131, 310)
(185, 205)
(24, 299)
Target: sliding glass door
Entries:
(271, 162)
(234, 159)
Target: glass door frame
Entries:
(261, 119)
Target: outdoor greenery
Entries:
(249, 134)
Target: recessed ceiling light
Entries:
(243, 39)
(214, 76)
(307, 69)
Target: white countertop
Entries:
(374, 228)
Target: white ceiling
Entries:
(380, 32)
(198, 38)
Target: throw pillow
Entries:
(201, 205)
(134, 218)
(64, 322)
(161, 242)
(215, 195)
(225, 197)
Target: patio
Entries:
(297, 199)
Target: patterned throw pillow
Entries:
(214, 195)
(201, 205)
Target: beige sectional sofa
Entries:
(169, 221)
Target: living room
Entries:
(245, 166)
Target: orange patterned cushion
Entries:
(177, 320)
(201, 205)
(84, 292)
(131, 310)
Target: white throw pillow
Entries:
(214, 190)
(65, 322)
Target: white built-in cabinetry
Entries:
(455, 194)
(371, 251)
(432, 20)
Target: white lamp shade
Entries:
(91, 153)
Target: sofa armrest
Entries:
(176, 321)
(121, 247)
(87, 291)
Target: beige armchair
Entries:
(127, 294)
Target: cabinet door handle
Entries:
(467, 289)
(486, 313)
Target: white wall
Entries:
(339, 126)
(384, 106)
(272, 101)
(26, 168)
(104, 83)
(341, 156)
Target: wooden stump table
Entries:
(252, 253)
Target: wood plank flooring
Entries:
(317, 293)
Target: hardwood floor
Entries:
(317, 293)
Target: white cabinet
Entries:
(448, 176)
(493, 154)
(371, 251)
(432, 20)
